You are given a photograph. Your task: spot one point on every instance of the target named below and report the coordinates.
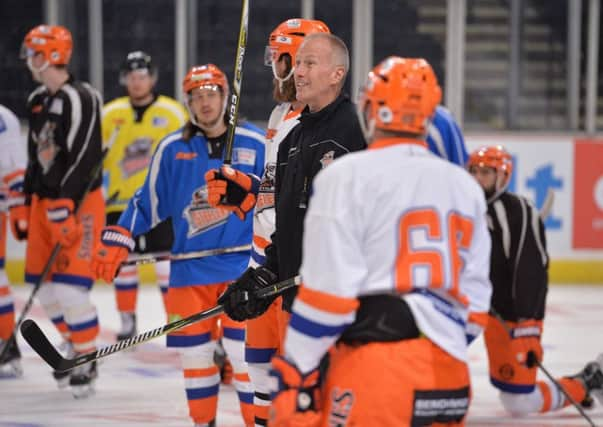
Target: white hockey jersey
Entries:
(400, 220)
(281, 121)
(14, 158)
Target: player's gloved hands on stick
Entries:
(64, 227)
(297, 400)
(239, 299)
(115, 244)
(233, 190)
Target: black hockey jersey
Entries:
(519, 260)
(64, 142)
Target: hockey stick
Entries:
(168, 256)
(546, 372)
(235, 98)
(57, 248)
(40, 343)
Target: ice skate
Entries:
(10, 364)
(82, 380)
(62, 378)
(128, 326)
(592, 377)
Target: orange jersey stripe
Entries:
(327, 302)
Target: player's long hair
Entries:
(288, 92)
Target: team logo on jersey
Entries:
(47, 149)
(341, 406)
(200, 216)
(266, 192)
(243, 156)
(159, 122)
(137, 156)
(327, 158)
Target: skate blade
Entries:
(82, 391)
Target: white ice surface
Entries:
(144, 386)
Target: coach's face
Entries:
(316, 76)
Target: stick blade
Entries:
(38, 341)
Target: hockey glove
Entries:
(18, 209)
(296, 401)
(232, 190)
(239, 300)
(64, 227)
(115, 244)
(525, 342)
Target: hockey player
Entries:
(328, 128)
(12, 166)
(264, 336)
(64, 146)
(137, 123)
(444, 137)
(389, 273)
(519, 275)
(175, 188)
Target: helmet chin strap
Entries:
(36, 71)
(281, 80)
(368, 129)
(498, 190)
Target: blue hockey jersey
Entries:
(445, 139)
(175, 188)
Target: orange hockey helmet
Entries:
(400, 95)
(495, 157)
(53, 41)
(286, 39)
(205, 76)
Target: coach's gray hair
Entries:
(341, 55)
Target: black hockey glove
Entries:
(239, 300)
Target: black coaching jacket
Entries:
(312, 145)
(519, 260)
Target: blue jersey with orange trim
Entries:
(445, 139)
(175, 188)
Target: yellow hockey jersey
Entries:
(126, 164)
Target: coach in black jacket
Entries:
(328, 129)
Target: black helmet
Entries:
(137, 60)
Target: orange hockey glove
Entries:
(115, 244)
(296, 403)
(18, 208)
(232, 190)
(64, 227)
(525, 342)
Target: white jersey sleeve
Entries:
(281, 121)
(393, 220)
(13, 149)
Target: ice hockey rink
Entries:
(144, 386)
